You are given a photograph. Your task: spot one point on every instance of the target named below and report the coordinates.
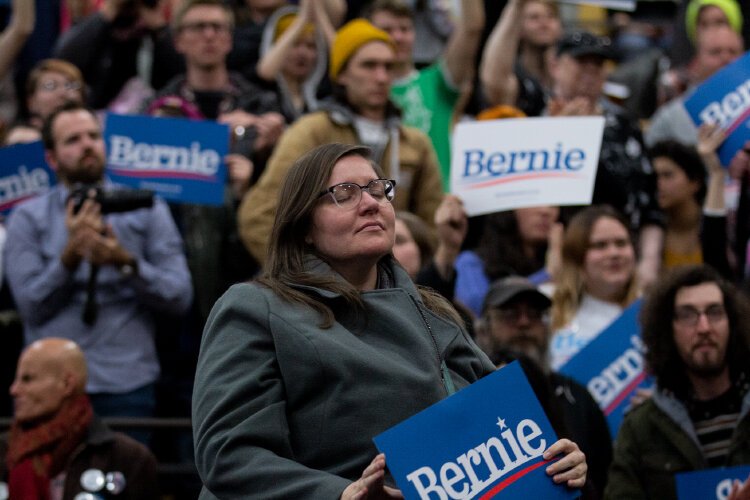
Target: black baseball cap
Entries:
(507, 289)
(583, 43)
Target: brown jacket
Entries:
(418, 189)
(106, 451)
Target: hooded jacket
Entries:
(310, 86)
(656, 441)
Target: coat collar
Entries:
(400, 279)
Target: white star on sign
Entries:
(501, 423)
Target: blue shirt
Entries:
(119, 347)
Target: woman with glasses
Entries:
(52, 83)
(331, 346)
(596, 280)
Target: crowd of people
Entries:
(340, 288)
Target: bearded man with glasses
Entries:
(514, 325)
(697, 333)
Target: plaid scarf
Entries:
(39, 453)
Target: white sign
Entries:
(626, 5)
(525, 162)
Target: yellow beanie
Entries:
(349, 38)
(286, 21)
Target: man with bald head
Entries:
(57, 448)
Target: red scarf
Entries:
(37, 454)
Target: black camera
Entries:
(112, 201)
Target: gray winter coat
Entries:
(285, 409)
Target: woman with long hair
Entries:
(513, 242)
(596, 280)
(333, 345)
(693, 201)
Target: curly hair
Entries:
(687, 159)
(662, 357)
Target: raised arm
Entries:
(18, 31)
(714, 226)
(336, 10)
(328, 15)
(496, 72)
(710, 137)
(269, 66)
(463, 44)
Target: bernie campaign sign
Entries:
(709, 484)
(482, 442)
(23, 174)
(524, 162)
(180, 160)
(725, 99)
(612, 366)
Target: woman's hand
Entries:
(451, 224)
(710, 137)
(570, 469)
(740, 491)
(370, 486)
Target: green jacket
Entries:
(656, 441)
(285, 409)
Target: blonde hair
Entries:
(569, 286)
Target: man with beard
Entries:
(697, 333)
(93, 278)
(515, 324)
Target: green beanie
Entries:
(730, 7)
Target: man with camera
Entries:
(98, 279)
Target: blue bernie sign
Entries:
(725, 99)
(23, 174)
(485, 441)
(180, 160)
(612, 366)
(709, 484)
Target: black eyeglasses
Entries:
(201, 26)
(689, 315)
(52, 85)
(348, 194)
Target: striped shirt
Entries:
(715, 420)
